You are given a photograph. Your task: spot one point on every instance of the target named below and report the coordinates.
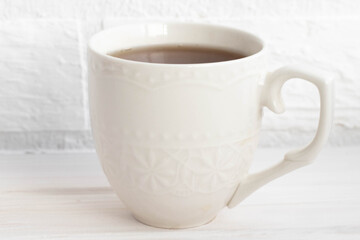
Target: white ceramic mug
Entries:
(176, 141)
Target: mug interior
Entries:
(139, 35)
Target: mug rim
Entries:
(250, 57)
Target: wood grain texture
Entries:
(66, 196)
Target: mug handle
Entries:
(271, 98)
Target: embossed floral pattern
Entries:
(151, 170)
(168, 170)
(179, 171)
(213, 167)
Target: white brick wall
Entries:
(43, 100)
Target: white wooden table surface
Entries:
(66, 196)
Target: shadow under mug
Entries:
(176, 141)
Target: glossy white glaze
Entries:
(176, 141)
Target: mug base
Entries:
(166, 226)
